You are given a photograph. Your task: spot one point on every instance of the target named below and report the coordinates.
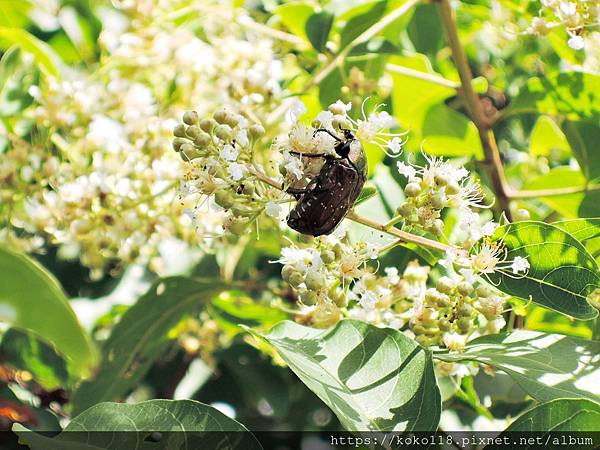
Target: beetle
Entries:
(329, 196)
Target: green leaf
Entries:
(586, 231)
(22, 350)
(8, 64)
(15, 13)
(562, 272)
(547, 139)
(566, 414)
(32, 299)
(294, 16)
(368, 192)
(584, 138)
(42, 53)
(317, 29)
(374, 379)
(546, 366)
(141, 336)
(573, 95)
(370, 13)
(183, 424)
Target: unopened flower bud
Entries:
(178, 142)
(232, 120)
(483, 291)
(224, 132)
(193, 131)
(224, 199)
(341, 122)
(179, 131)
(465, 288)
(337, 108)
(521, 214)
(202, 140)
(309, 298)
(444, 325)
(208, 124)
(256, 131)
(188, 152)
(445, 285)
(452, 188)
(464, 324)
(314, 280)
(296, 279)
(412, 189)
(328, 256)
(190, 118)
(465, 310)
(221, 115)
(439, 200)
(287, 271)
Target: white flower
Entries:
(492, 306)
(293, 165)
(568, 8)
(325, 118)
(382, 120)
(468, 275)
(343, 106)
(241, 137)
(273, 209)
(395, 145)
(519, 264)
(489, 228)
(301, 138)
(407, 170)
(296, 110)
(228, 153)
(372, 251)
(189, 213)
(368, 300)
(454, 341)
(237, 171)
(392, 275)
(576, 42)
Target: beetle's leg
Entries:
(310, 155)
(324, 130)
(297, 193)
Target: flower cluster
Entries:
(576, 16)
(106, 189)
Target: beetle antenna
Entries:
(324, 130)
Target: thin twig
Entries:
(486, 135)
(422, 76)
(553, 192)
(402, 235)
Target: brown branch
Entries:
(486, 135)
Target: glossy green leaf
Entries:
(574, 95)
(294, 16)
(9, 62)
(584, 138)
(141, 336)
(32, 299)
(562, 272)
(15, 13)
(23, 350)
(586, 231)
(357, 24)
(546, 366)
(372, 378)
(317, 29)
(547, 139)
(153, 424)
(564, 414)
(368, 192)
(27, 42)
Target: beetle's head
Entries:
(343, 147)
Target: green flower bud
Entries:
(188, 152)
(437, 227)
(406, 210)
(232, 120)
(193, 132)
(249, 188)
(309, 298)
(412, 189)
(465, 310)
(239, 227)
(287, 271)
(464, 324)
(341, 122)
(224, 199)
(423, 341)
(483, 291)
(256, 131)
(296, 279)
(224, 132)
(445, 285)
(441, 179)
(190, 118)
(465, 288)
(241, 211)
(202, 140)
(431, 295)
(314, 280)
(328, 256)
(338, 250)
(208, 124)
(339, 298)
(521, 214)
(178, 142)
(179, 130)
(221, 115)
(438, 201)
(444, 325)
(418, 329)
(337, 108)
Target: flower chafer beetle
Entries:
(331, 194)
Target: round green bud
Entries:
(437, 227)
(224, 199)
(179, 130)
(465, 310)
(337, 108)
(483, 291)
(328, 256)
(441, 179)
(418, 329)
(221, 115)
(190, 118)
(423, 341)
(295, 279)
(338, 250)
(178, 142)
(521, 214)
(202, 140)
(438, 201)
(256, 131)
(189, 152)
(193, 131)
(232, 120)
(309, 298)
(224, 132)
(341, 122)
(314, 280)
(465, 288)
(208, 124)
(239, 227)
(431, 295)
(443, 301)
(249, 188)
(406, 210)
(464, 324)
(241, 211)
(339, 298)
(412, 189)
(444, 325)
(445, 285)
(287, 271)
(452, 188)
